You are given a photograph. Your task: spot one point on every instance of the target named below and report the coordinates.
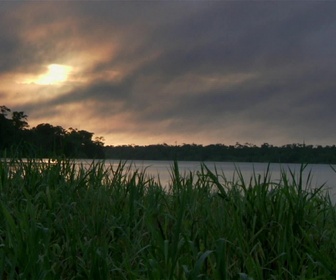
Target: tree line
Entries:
(46, 140)
(290, 153)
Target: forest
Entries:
(291, 153)
(46, 140)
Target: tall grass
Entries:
(59, 220)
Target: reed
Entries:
(60, 220)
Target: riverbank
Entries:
(59, 220)
(290, 153)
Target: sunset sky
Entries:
(153, 72)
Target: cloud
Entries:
(154, 72)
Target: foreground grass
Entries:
(61, 221)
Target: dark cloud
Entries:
(218, 71)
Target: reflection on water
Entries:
(319, 173)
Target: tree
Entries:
(19, 120)
(6, 129)
(48, 138)
(79, 143)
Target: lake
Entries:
(320, 173)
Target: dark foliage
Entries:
(291, 153)
(44, 140)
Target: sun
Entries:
(56, 74)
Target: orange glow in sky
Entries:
(173, 72)
(56, 74)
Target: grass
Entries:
(59, 220)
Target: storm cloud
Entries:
(175, 72)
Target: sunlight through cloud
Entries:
(56, 74)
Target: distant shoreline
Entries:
(291, 153)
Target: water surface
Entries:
(318, 174)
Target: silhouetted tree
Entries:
(7, 130)
(47, 140)
(19, 120)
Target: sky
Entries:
(175, 72)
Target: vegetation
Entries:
(291, 153)
(46, 140)
(60, 220)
